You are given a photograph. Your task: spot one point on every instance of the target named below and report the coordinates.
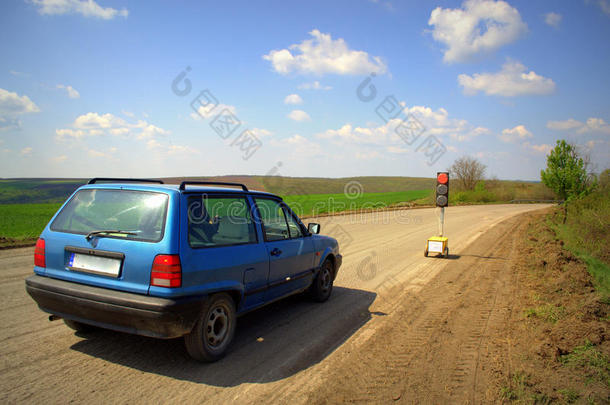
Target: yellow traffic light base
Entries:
(438, 245)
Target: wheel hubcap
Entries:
(217, 326)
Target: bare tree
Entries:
(467, 171)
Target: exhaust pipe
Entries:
(54, 317)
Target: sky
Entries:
(309, 89)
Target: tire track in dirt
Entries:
(430, 349)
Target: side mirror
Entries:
(313, 228)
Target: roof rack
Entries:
(118, 180)
(212, 183)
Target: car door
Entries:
(220, 249)
(291, 250)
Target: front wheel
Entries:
(213, 332)
(322, 285)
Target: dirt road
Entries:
(287, 350)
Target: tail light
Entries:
(166, 271)
(39, 258)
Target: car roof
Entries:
(173, 188)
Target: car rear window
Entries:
(141, 213)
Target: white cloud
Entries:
(543, 148)
(86, 8)
(299, 115)
(434, 122)
(72, 92)
(315, 85)
(439, 123)
(27, 151)
(261, 133)
(513, 80)
(553, 19)
(321, 55)
(461, 30)
(564, 125)
(153, 144)
(397, 149)
(66, 133)
(96, 121)
(349, 134)
(59, 159)
(181, 150)
(12, 106)
(94, 124)
(293, 99)
(97, 153)
(128, 113)
(150, 131)
(299, 145)
(205, 112)
(592, 125)
(170, 150)
(368, 155)
(516, 134)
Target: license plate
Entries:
(106, 266)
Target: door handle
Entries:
(276, 252)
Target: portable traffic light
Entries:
(442, 189)
(440, 244)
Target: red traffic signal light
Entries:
(442, 189)
(442, 178)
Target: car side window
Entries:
(273, 219)
(293, 226)
(219, 221)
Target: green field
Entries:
(314, 204)
(22, 223)
(26, 205)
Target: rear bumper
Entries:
(117, 310)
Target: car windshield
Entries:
(104, 213)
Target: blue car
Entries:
(168, 261)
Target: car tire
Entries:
(425, 253)
(214, 330)
(79, 326)
(322, 285)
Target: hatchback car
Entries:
(167, 261)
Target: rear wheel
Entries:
(213, 332)
(446, 254)
(79, 326)
(322, 285)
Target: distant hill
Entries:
(318, 185)
(17, 191)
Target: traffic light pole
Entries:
(442, 221)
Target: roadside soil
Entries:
(514, 318)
